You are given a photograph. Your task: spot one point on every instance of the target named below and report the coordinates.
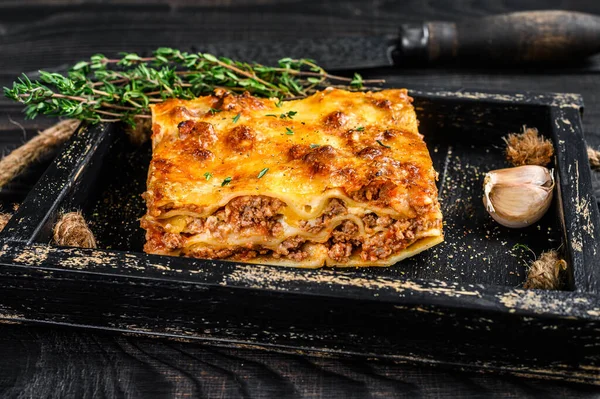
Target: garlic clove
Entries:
(518, 197)
(528, 174)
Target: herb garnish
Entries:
(525, 247)
(104, 89)
(263, 172)
(289, 114)
(383, 145)
(214, 110)
(236, 118)
(289, 131)
(226, 181)
(208, 175)
(360, 128)
(357, 81)
(315, 145)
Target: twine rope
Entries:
(594, 158)
(544, 273)
(72, 230)
(15, 162)
(4, 218)
(528, 148)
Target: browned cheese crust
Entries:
(338, 178)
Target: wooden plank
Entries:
(412, 332)
(47, 362)
(53, 362)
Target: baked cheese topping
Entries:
(338, 178)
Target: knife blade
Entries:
(331, 53)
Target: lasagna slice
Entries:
(339, 178)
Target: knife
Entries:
(532, 37)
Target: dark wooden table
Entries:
(39, 361)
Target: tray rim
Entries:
(517, 301)
(564, 106)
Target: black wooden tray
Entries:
(458, 304)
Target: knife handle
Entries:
(516, 38)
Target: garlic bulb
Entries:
(518, 197)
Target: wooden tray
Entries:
(456, 304)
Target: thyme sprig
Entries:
(110, 90)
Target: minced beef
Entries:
(252, 211)
(334, 208)
(385, 243)
(345, 232)
(340, 251)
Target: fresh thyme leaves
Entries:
(522, 246)
(357, 81)
(226, 181)
(360, 129)
(236, 118)
(279, 103)
(214, 110)
(208, 175)
(106, 89)
(383, 145)
(289, 131)
(315, 145)
(263, 172)
(289, 115)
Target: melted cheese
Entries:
(361, 148)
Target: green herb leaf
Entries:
(103, 89)
(383, 145)
(79, 65)
(214, 110)
(360, 129)
(263, 172)
(210, 57)
(357, 81)
(315, 145)
(289, 114)
(522, 246)
(273, 115)
(208, 176)
(236, 118)
(226, 181)
(289, 131)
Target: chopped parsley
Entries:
(214, 110)
(226, 181)
(208, 175)
(289, 131)
(273, 115)
(263, 172)
(236, 118)
(279, 103)
(360, 128)
(383, 145)
(315, 145)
